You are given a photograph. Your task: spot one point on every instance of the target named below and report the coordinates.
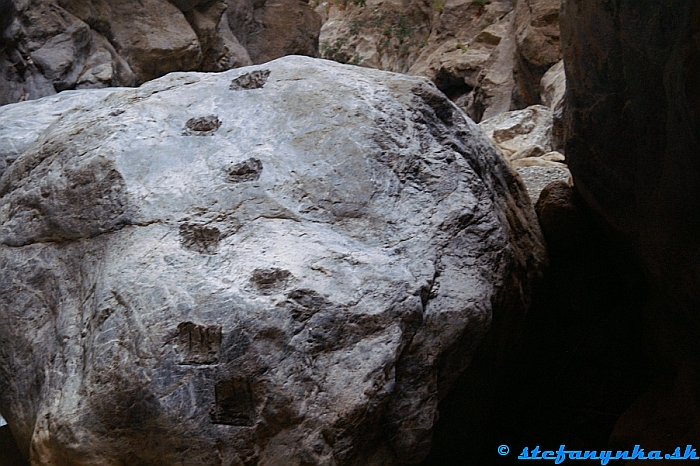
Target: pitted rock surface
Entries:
(302, 286)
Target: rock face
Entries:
(632, 117)
(286, 264)
(52, 45)
(488, 56)
(552, 91)
(270, 29)
(537, 43)
(524, 137)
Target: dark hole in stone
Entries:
(202, 126)
(248, 170)
(252, 80)
(234, 403)
(200, 238)
(9, 453)
(270, 279)
(450, 85)
(199, 344)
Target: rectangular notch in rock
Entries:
(234, 403)
(199, 344)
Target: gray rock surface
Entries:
(284, 264)
(536, 178)
(525, 137)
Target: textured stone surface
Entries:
(552, 91)
(270, 29)
(524, 136)
(287, 264)
(536, 178)
(466, 48)
(632, 117)
(537, 44)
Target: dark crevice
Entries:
(9, 453)
(452, 86)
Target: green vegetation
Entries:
(461, 46)
(438, 5)
(486, 24)
(342, 4)
(355, 26)
(333, 51)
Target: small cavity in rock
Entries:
(202, 126)
(199, 238)
(270, 279)
(248, 81)
(248, 170)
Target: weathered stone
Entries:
(466, 48)
(220, 48)
(270, 29)
(313, 310)
(536, 162)
(536, 178)
(104, 67)
(153, 36)
(44, 52)
(564, 223)
(521, 130)
(537, 39)
(552, 91)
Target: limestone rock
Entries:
(553, 87)
(552, 92)
(537, 40)
(270, 29)
(528, 130)
(19, 132)
(536, 178)
(465, 47)
(52, 45)
(286, 264)
(45, 52)
(152, 35)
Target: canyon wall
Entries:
(632, 122)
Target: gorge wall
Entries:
(53, 45)
(632, 122)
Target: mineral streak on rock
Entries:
(163, 300)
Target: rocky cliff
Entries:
(53, 45)
(632, 119)
(489, 56)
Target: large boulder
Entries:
(632, 117)
(283, 264)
